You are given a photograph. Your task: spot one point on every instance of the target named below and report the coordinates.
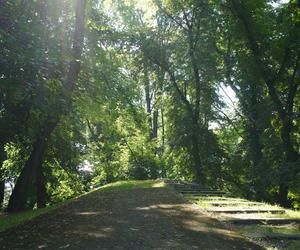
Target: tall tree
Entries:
(190, 81)
(34, 164)
(279, 73)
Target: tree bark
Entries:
(19, 197)
(197, 159)
(196, 114)
(41, 192)
(196, 152)
(257, 158)
(291, 156)
(155, 124)
(162, 129)
(255, 136)
(147, 97)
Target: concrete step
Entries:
(201, 192)
(216, 199)
(276, 236)
(235, 203)
(184, 184)
(246, 210)
(264, 221)
(194, 189)
(187, 186)
(198, 196)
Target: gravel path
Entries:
(154, 218)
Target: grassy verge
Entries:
(270, 229)
(280, 232)
(11, 220)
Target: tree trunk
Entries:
(283, 193)
(196, 153)
(155, 124)
(147, 98)
(257, 158)
(19, 197)
(162, 130)
(197, 159)
(291, 156)
(196, 114)
(255, 136)
(41, 192)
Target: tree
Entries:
(192, 82)
(33, 166)
(279, 73)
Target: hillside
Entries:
(124, 216)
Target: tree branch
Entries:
(254, 47)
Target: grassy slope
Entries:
(11, 220)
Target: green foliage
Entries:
(143, 166)
(147, 102)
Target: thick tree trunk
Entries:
(41, 192)
(196, 153)
(19, 197)
(283, 193)
(257, 158)
(291, 156)
(196, 114)
(255, 136)
(197, 159)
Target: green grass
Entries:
(11, 220)
(292, 214)
(258, 231)
(269, 229)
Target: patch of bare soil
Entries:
(154, 218)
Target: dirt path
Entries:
(154, 218)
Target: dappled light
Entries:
(90, 213)
(99, 233)
(154, 218)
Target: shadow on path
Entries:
(154, 218)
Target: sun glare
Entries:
(146, 6)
